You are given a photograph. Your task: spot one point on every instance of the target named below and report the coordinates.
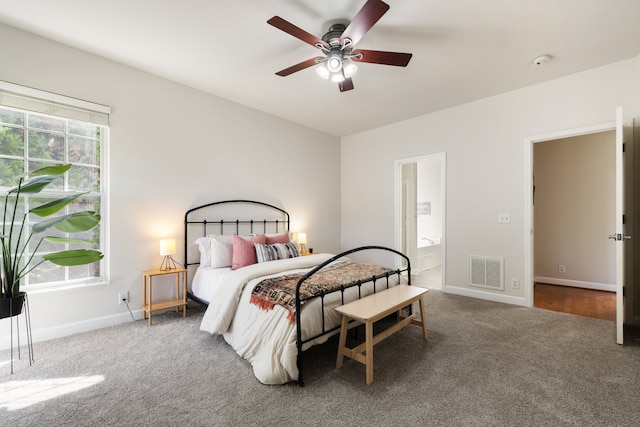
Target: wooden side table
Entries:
(148, 306)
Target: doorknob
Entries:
(619, 237)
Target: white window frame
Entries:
(60, 106)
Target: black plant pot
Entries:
(12, 306)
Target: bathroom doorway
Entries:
(420, 225)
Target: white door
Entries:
(620, 237)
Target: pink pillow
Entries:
(278, 238)
(244, 253)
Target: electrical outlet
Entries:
(562, 269)
(515, 283)
(504, 218)
(122, 297)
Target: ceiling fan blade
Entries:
(380, 57)
(346, 84)
(370, 13)
(301, 66)
(297, 32)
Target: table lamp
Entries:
(302, 243)
(167, 248)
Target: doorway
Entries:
(624, 218)
(574, 209)
(420, 217)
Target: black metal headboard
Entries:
(218, 218)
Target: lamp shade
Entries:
(167, 247)
(302, 238)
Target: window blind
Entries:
(39, 101)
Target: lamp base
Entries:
(168, 263)
(302, 248)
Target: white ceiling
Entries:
(463, 50)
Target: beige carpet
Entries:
(485, 364)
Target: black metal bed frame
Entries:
(275, 222)
(282, 217)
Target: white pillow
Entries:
(221, 251)
(204, 246)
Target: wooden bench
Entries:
(369, 310)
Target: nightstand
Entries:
(148, 306)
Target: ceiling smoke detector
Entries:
(541, 60)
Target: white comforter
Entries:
(266, 338)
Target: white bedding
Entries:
(266, 338)
(206, 281)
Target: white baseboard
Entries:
(489, 296)
(46, 334)
(576, 283)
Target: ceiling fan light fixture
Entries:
(337, 77)
(349, 68)
(323, 72)
(334, 63)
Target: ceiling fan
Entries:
(338, 46)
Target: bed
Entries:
(272, 308)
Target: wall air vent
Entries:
(486, 272)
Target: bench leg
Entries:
(369, 351)
(423, 316)
(342, 341)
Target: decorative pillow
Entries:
(221, 251)
(244, 251)
(278, 238)
(204, 246)
(216, 250)
(266, 253)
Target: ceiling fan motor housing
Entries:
(332, 37)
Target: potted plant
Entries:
(17, 261)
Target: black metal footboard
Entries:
(381, 280)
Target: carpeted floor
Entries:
(485, 364)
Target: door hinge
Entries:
(624, 291)
(624, 147)
(624, 219)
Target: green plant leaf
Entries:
(77, 222)
(72, 223)
(33, 185)
(41, 178)
(54, 206)
(54, 239)
(51, 170)
(74, 257)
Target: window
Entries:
(30, 139)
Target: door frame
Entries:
(528, 194)
(442, 156)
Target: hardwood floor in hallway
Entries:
(583, 302)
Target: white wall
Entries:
(484, 142)
(171, 148)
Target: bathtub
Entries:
(429, 254)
